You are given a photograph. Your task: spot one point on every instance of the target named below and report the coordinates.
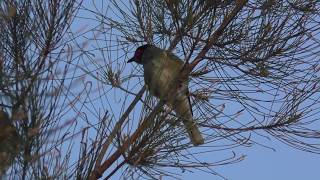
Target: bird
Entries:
(161, 68)
(9, 142)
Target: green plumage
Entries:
(159, 68)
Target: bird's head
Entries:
(138, 54)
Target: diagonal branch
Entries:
(99, 171)
(117, 127)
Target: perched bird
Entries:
(160, 69)
(9, 142)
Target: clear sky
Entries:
(264, 164)
(261, 163)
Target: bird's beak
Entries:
(131, 60)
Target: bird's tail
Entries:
(183, 109)
(193, 131)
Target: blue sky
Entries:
(264, 164)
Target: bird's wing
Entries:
(180, 63)
(174, 58)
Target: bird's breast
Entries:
(158, 77)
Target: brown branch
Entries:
(116, 169)
(117, 127)
(99, 171)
